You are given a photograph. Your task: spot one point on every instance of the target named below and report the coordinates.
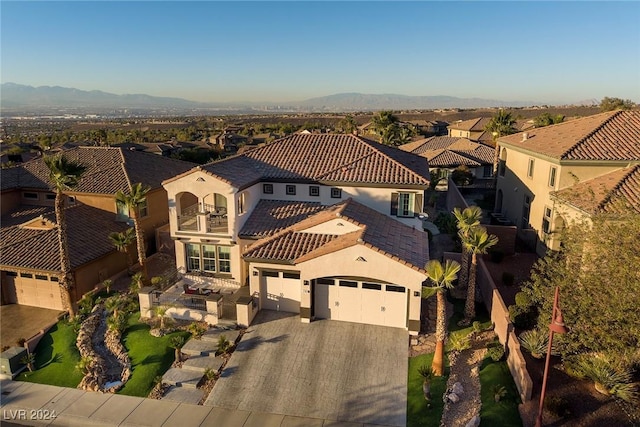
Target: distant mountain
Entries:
(43, 98)
(361, 101)
(16, 96)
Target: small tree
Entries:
(107, 285)
(122, 241)
(29, 360)
(610, 104)
(160, 311)
(177, 343)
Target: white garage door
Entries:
(33, 289)
(281, 291)
(361, 302)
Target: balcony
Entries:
(216, 219)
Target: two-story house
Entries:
(30, 264)
(472, 129)
(323, 225)
(544, 168)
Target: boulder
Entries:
(453, 398)
(457, 389)
(473, 422)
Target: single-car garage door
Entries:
(33, 289)
(281, 290)
(360, 301)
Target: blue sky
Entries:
(546, 52)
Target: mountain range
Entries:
(28, 98)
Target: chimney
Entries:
(525, 136)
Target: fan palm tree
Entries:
(133, 201)
(478, 241)
(122, 242)
(348, 124)
(500, 125)
(64, 175)
(442, 279)
(467, 218)
(177, 343)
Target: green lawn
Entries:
(504, 413)
(150, 356)
(417, 412)
(56, 358)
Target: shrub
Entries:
(535, 342)
(495, 351)
(459, 342)
(446, 223)
(477, 326)
(196, 329)
(157, 281)
(558, 406)
(462, 176)
(508, 279)
(425, 372)
(223, 345)
(499, 391)
(107, 285)
(523, 300)
(210, 374)
(609, 377)
(497, 255)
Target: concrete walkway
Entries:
(31, 404)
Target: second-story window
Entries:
(336, 193)
(526, 209)
(552, 176)
(143, 209)
(241, 203)
(530, 168)
(291, 190)
(314, 191)
(267, 188)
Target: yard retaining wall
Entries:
(32, 342)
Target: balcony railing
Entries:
(216, 219)
(188, 222)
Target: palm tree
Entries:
(348, 124)
(160, 311)
(122, 241)
(177, 343)
(467, 219)
(478, 241)
(500, 125)
(442, 279)
(383, 120)
(64, 175)
(133, 201)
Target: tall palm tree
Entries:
(501, 124)
(122, 242)
(348, 124)
(478, 241)
(442, 279)
(383, 120)
(467, 219)
(64, 175)
(133, 201)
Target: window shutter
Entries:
(418, 204)
(394, 204)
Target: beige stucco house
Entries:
(310, 222)
(30, 264)
(550, 176)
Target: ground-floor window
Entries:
(209, 258)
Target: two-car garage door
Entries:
(32, 289)
(360, 301)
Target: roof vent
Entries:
(525, 136)
(361, 259)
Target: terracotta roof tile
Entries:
(88, 231)
(448, 151)
(272, 216)
(108, 170)
(446, 158)
(614, 192)
(323, 157)
(613, 135)
(379, 232)
(472, 125)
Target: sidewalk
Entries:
(33, 404)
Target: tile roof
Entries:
(472, 125)
(448, 151)
(109, 169)
(335, 158)
(88, 231)
(379, 232)
(614, 192)
(614, 135)
(272, 216)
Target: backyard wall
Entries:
(506, 237)
(454, 197)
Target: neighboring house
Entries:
(542, 168)
(429, 127)
(229, 142)
(161, 149)
(306, 210)
(472, 129)
(446, 153)
(30, 264)
(107, 171)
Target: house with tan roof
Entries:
(310, 222)
(446, 153)
(550, 176)
(26, 191)
(472, 129)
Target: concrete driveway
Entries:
(23, 321)
(326, 369)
